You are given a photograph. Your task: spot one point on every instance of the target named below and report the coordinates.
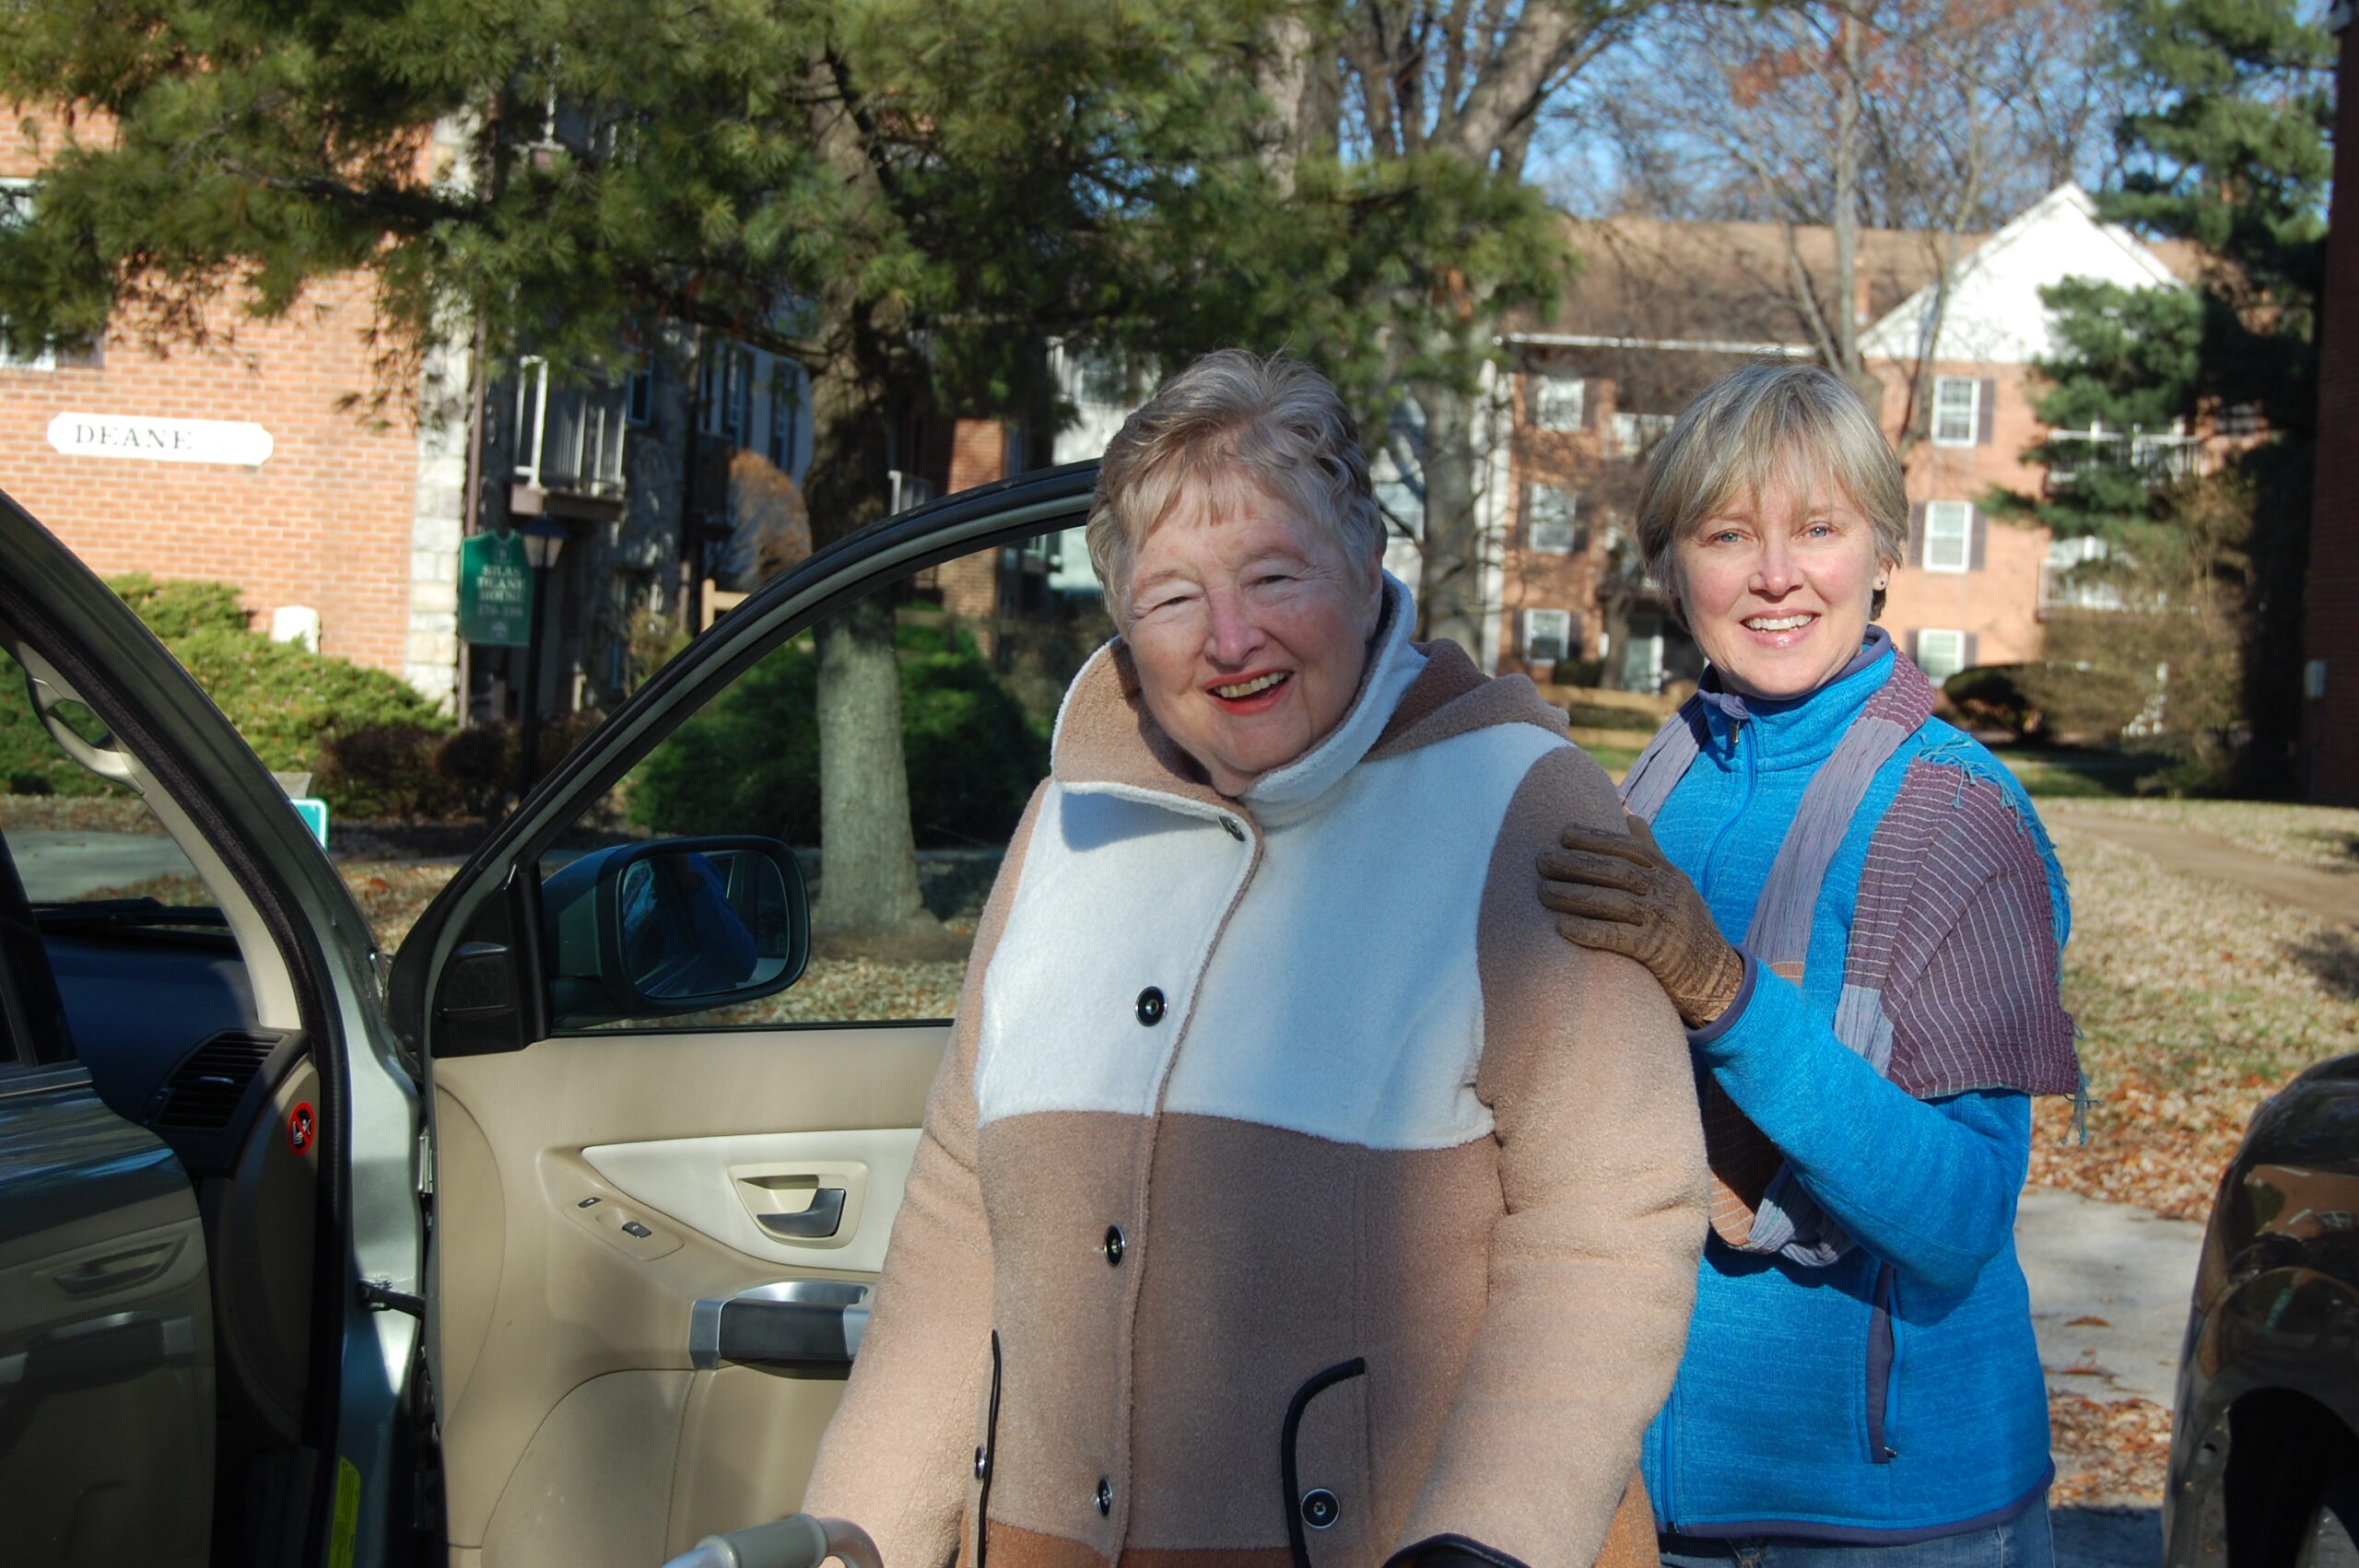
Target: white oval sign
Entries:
(160, 441)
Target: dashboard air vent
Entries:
(206, 1090)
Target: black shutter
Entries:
(1972, 653)
(1916, 536)
(1986, 409)
(1977, 530)
(1573, 645)
(1589, 403)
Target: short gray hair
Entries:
(1233, 420)
(1754, 425)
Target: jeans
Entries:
(2022, 1542)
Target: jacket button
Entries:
(1320, 1509)
(1235, 829)
(982, 1465)
(1150, 1007)
(1114, 1246)
(1105, 1497)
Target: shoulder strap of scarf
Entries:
(1665, 761)
(1779, 935)
(1759, 1205)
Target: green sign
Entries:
(495, 590)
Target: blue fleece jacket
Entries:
(1897, 1394)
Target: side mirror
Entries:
(679, 925)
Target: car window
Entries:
(75, 837)
(141, 963)
(982, 648)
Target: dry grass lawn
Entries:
(2196, 1001)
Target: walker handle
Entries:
(797, 1541)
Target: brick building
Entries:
(1661, 309)
(253, 459)
(2330, 679)
(240, 462)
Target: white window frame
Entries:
(1552, 527)
(16, 205)
(1562, 621)
(725, 392)
(1558, 402)
(1956, 527)
(1634, 433)
(1955, 426)
(1954, 645)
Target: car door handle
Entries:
(798, 1328)
(825, 1216)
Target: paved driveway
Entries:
(57, 865)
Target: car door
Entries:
(209, 1150)
(657, 1225)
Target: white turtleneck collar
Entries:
(1293, 792)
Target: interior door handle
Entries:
(119, 1272)
(825, 1216)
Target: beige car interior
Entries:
(591, 1192)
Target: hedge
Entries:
(296, 708)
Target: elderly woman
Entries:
(1859, 916)
(1285, 1198)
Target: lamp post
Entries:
(544, 541)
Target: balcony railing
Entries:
(2162, 457)
(569, 439)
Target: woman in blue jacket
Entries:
(1859, 916)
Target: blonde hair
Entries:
(1228, 426)
(1756, 426)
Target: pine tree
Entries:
(909, 198)
(2228, 147)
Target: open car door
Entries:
(671, 1129)
(209, 1228)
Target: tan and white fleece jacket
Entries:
(1291, 1193)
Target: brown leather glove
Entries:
(1623, 895)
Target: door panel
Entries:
(106, 1338)
(570, 1394)
(657, 1229)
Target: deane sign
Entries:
(160, 441)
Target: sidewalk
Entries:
(2109, 1288)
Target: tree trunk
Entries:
(868, 886)
(1846, 216)
(1452, 592)
(868, 875)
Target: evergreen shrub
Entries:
(749, 762)
(360, 733)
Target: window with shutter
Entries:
(1939, 654)
(1558, 402)
(1552, 520)
(1949, 537)
(1957, 410)
(1547, 635)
